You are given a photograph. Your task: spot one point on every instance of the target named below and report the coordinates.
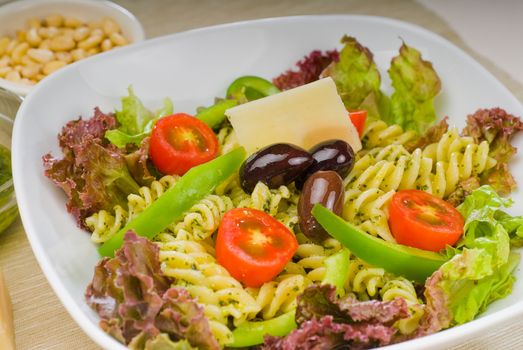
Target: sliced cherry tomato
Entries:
(253, 246)
(421, 220)
(358, 119)
(179, 142)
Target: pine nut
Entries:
(11, 46)
(31, 71)
(97, 32)
(4, 61)
(19, 51)
(45, 44)
(81, 33)
(27, 61)
(55, 20)
(78, 54)
(62, 43)
(118, 39)
(33, 38)
(90, 42)
(53, 66)
(110, 26)
(13, 76)
(4, 42)
(41, 55)
(48, 32)
(93, 51)
(106, 45)
(64, 57)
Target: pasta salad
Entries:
(354, 220)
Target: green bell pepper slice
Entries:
(251, 88)
(337, 270)
(192, 187)
(214, 115)
(413, 263)
(252, 333)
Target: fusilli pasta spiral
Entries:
(104, 225)
(193, 267)
(379, 134)
(204, 218)
(227, 139)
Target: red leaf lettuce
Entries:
(92, 173)
(133, 298)
(309, 70)
(325, 322)
(497, 127)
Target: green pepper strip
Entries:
(192, 187)
(413, 263)
(337, 270)
(252, 333)
(251, 88)
(214, 115)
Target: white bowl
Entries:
(192, 68)
(14, 16)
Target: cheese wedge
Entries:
(7, 333)
(303, 116)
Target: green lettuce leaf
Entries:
(416, 83)
(513, 225)
(480, 270)
(135, 121)
(358, 79)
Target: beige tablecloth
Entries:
(41, 322)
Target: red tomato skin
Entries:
(169, 160)
(263, 262)
(411, 230)
(358, 119)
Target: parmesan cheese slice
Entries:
(303, 116)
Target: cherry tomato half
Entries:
(358, 119)
(421, 220)
(179, 142)
(253, 246)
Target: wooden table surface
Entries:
(41, 322)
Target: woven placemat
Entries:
(41, 322)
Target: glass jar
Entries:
(9, 104)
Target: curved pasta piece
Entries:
(104, 224)
(379, 134)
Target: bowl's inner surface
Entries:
(192, 68)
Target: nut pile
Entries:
(51, 43)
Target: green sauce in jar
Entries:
(5, 164)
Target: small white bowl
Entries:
(14, 16)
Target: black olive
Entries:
(326, 188)
(274, 165)
(336, 155)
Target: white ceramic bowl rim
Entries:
(437, 340)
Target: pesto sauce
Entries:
(5, 164)
(7, 217)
